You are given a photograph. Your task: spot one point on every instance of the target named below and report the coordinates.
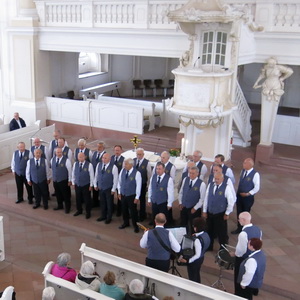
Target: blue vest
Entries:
(252, 232)
(20, 165)
(95, 161)
(105, 180)
(258, 276)
(128, 185)
(86, 153)
(224, 169)
(199, 166)
(211, 178)
(206, 242)
(66, 151)
(191, 196)
(217, 203)
(60, 172)
(82, 178)
(53, 147)
(246, 184)
(119, 164)
(168, 168)
(184, 174)
(155, 250)
(142, 169)
(38, 175)
(42, 147)
(159, 191)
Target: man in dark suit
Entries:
(16, 122)
(18, 167)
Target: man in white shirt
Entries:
(159, 242)
(197, 155)
(170, 169)
(16, 122)
(220, 159)
(129, 187)
(218, 204)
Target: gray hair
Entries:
(140, 149)
(101, 143)
(48, 293)
(80, 141)
(87, 268)
(194, 168)
(198, 152)
(166, 152)
(136, 286)
(130, 161)
(63, 259)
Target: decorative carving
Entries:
(201, 123)
(185, 58)
(274, 75)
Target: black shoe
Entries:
(237, 231)
(67, 211)
(123, 226)
(57, 208)
(255, 292)
(45, 207)
(88, 215)
(77, 213)
(136, 230)
(35, 206)
(101, 219)
(107, 221)
(19, 201)
(53, 195)
(30, 201)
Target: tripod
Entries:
(174, 269)
(218, 283)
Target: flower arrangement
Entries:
(175, 151)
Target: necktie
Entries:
(56, 143)
(98, 156)
(103, 169)
(37, 163)
(57, 161)
(137, 165)
(127, 173)
(116, 159)
(21, 156)
(216, 190)
(158, 181)
(245, 174)
(80, 168)
(191, 183)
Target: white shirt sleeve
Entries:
(96, 175)
(198, 249)
(229, 173)
(90, 155)
(175, 246)
(69, 168)
(70, 155)
(150, 189)
(181, 191)
(256, 182)
(250, 267)
(115, 178)
(28, 170)
(73, 174)
(120, 181)
(173, 172)
(203, 172)
(138, 179)
(149, 172)
(230, 184)
(170, 191)
(91, 172)
(230, 200)
(12, 164)
(205, 200)
(202, 193)
(144, 240)
(241, 247)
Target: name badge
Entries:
(85, 169)
(131, 178)
(195, 188)
(161, 188)
(143, 167)
(108, 171)
(220, 193)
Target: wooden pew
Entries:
(66, 290)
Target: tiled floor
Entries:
(33, 237)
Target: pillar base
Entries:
(264, 153)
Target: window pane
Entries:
(203, 59)
(205, 48)
(211, 36)
(219, 38)
(224, 39)
(209, 58)
(205, 37)
(223, 49)
(223, 60)
(218, 48)
(210, 48)
(217, 60)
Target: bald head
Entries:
(248, 163)
(81, 157)
(219, 178)
(164, 157)
(37, 142)
(160, 219)
(106, 158)
(244, 218)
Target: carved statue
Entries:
(274, 75)
(184, 59)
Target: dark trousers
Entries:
(83, 195)
(186, 218)
(243, 204)
(63, 194)
(194, 270)
(246, 293)
(162, 265)
(118, 205)
(129, 205)
(41, 191)
(95, 198)
(20, 181)
(106, 203)
(237, 263)
(217, 226)
(142, 214)
(160, 208)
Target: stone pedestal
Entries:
(264, 153)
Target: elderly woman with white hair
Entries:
(48, 293)
(62, 270)
(87, 277)
(136, 291)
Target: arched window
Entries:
(89, 63)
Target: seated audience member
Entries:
(16, 122)
(48, 293)
(62, 270)
(109, 287)
(87, 277)
(136, 291)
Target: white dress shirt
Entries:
(114, 173)
(198, 248)
(228, 195)
(12, 164)
(69, 155)
(202, 192)
(202, 172)
(91, 172)
(250, 268)
(48, 173)
(256, 181)
(230, 184)
(90, 153)
(138, 179)
(19, 123)
(68, 166)
(242, 244)
(170, 189)
(173, 242)
(172, 171)
(149, 169)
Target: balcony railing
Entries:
(276, 16)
